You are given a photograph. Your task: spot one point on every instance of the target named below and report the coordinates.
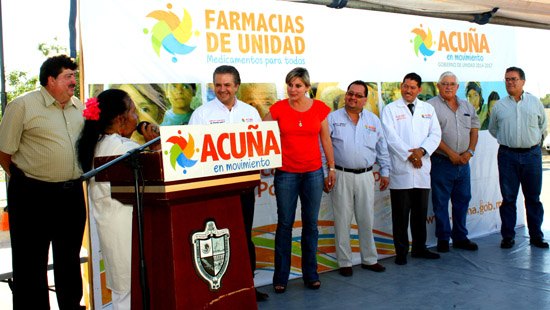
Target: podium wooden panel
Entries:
(173, 211)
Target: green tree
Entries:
(19, 82)
(546, 101)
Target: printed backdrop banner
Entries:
(163, 53)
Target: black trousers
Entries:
(42, 213)
(404, 202)
(247, 205)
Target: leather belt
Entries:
(439, 155)
(356, 171)
(519, 150)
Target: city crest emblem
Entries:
(211, 253)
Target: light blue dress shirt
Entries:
(358, 146)
(518, 125)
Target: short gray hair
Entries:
(446, 74)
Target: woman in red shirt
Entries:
(302, 121)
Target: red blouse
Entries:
(300, 144)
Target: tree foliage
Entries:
(546, 101)
(19, 82)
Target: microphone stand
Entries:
(132, 161)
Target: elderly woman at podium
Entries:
(111, 119)
(302, 121)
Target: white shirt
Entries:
(114, 219)
(405, 132)
(215, 112)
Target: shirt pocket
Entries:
(532, 120)
(369, 138)
(465, 121)
(339, 133)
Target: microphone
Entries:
(138, 127)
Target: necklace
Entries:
(301, 114)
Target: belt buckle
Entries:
(68, 184)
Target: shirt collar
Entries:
(407, 103)
(520, 97)
(49, 99)
(458, 101)
(221, 105)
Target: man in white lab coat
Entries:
(413, 134)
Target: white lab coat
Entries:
(405, 132)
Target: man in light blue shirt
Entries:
(358, 142)
(518, 122)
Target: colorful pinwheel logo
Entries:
(422, 42)
(171, 33)
(182, 151)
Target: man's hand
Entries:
(455, 158)
(416, 157)
(384, 182)
(465, 158)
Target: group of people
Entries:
(46, 144)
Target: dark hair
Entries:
(53, 67)
(415, 77)
(518, 70)
(300, 73)
(493, 96)
(112, 103)
(475, 86)
(225, 70)
(362, 83)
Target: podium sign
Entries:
(205, 150)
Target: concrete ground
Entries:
(487, 274)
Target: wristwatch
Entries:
(471, 152)
(423, 151)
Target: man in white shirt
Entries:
(227, 109)
(412, 133)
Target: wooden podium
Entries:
(172, 213)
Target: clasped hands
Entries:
(460, 159)
(416, 157)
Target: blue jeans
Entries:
(526, 169)
(450, 182)
(288, 186)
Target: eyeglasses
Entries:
(514, 79)
(445, 84)
(356, 95)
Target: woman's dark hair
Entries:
(112, 103)
(493, 96)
